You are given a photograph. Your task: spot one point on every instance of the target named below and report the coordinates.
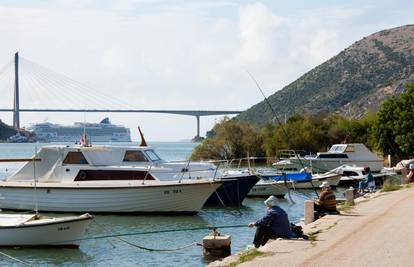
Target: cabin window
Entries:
(75, 158)
(333, 156)
(152, 155)
(134, 156)
(350, 149)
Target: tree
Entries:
(232, 139)
(394, 128)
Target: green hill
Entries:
(356, 80)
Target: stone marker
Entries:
(217, 245)
(349, 195)
(309, 212)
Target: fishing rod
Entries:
(281, 126)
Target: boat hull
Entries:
(325, 165)
(317, 180)
(233, 191)
(59, 232)
(174, 198)
(265, 188)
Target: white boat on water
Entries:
(90, 179)
(352, 175)
(28, 230)
(268, 187)
(303, 180)
(338, 154)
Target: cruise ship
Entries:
(104, 131)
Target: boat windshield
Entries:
(134, 156)
(152, 155)
(337, 149)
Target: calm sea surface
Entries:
(106, 252)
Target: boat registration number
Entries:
(176, 191)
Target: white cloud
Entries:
(171, 55)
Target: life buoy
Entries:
(82, 175)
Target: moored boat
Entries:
(29, 230)
(305, 180)
(338, 154)
(80, 179)
(265, 188)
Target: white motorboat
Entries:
(91, 179)
(304, 180)
(21, 230)
(317, 179)
(268, 187)
(352, 175)
(340, 154)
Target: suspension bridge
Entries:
(66, 94)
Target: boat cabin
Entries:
(348, 151)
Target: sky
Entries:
(158, 54)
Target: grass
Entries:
(387, 187)
(247, 256)
(346, 206)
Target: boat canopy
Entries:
(7, 220)
(302, 176)
(53, 157)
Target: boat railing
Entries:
(289, 153)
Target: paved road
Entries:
(379, 232)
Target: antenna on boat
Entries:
(281, 126)
(143, 142)
(36, 208)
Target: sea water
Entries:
(112, 251)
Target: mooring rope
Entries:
(15, 259)
(142, 247)
(158, 232)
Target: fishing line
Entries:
(281, 126)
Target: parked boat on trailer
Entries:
(29, 230)
(91, 179)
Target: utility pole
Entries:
(16, 109)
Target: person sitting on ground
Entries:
(326, 201)
(368, 182)
(410, 175)
(273, 225)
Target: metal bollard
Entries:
(309, 212)
(349, 195)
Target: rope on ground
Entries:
(15, 259)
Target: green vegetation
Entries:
(230, 139)
(346, 206)
(390, 131)
(248, 256)
(387, 187)
(235, 139)
(394, 129)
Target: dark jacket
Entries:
(278, 221)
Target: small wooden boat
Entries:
(29, 230)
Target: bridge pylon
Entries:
(16, 104)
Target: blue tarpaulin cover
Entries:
(300, 177)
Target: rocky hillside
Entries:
(6, 131)
(358, 79)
